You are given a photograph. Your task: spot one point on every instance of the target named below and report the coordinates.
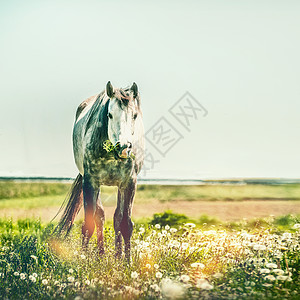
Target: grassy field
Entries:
(226, 202)
(174, 255)
(177, 261)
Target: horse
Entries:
(108, 146)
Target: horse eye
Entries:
(110, 115)
(135, 116)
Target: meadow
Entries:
(174, 256)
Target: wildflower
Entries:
(204, 284)
(157, 226)
(167, 227)
(171, 289)
(270, 277)
(264, 271)
(16, 273)
(35, 275)
(71, 271)
(286, 235)
(185, 278)
(78, 298)
(271, 265)
(278, 271)
(148, 266)
(44, 281)
(56, 282)
(296, 226)
(34, 257)
(77, 284)
(156, 266)
(87, 282)
(142, 230)
(259, 247)
(191, 225)
(158, 275)
(82, 256)
(218, 275)
(282, 277)
(267, 284)
(173, 230)
(71, 279)
(198, 265)
(155, 287)
(184, 246)
(22, 276)
(134, 275)
(32, 278)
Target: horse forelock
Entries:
(125, 99)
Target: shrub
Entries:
(168, 218)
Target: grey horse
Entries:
(108, 145)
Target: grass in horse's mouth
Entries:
(113, 151)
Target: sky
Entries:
(238, 60)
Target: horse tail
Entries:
(72, 203)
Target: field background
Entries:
(227, 202)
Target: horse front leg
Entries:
(117, 224)
(127, 224)
(89, 200)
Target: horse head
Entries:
(123, 111)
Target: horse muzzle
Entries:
(123, 151)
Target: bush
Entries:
(168, 218)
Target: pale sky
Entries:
(239, 59)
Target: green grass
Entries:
(184, 261)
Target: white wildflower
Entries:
(270, 277)
(197, 265)
(142, 230)
(34, 257)
(191, 225)
(16, 273)
(185, 278)
(173, 230)
(134, 275)
(218, 275)
(71, 271)
(264, 271)
(282, 277)
(44, 281)
(71, 279)
(296, 226)
(156, 266)
(271, 265)
(278, 271)
(171, 289)
(204, 284)
(32, 278)
(87, 282)
(184, 246)
(82, 256)
(157, 226)
(22, 276)
(158, 275)
(259, 247)
(167, 227)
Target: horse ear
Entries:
(109, 90)
(134, 89)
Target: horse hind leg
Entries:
(89, 199)
(118, 216)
